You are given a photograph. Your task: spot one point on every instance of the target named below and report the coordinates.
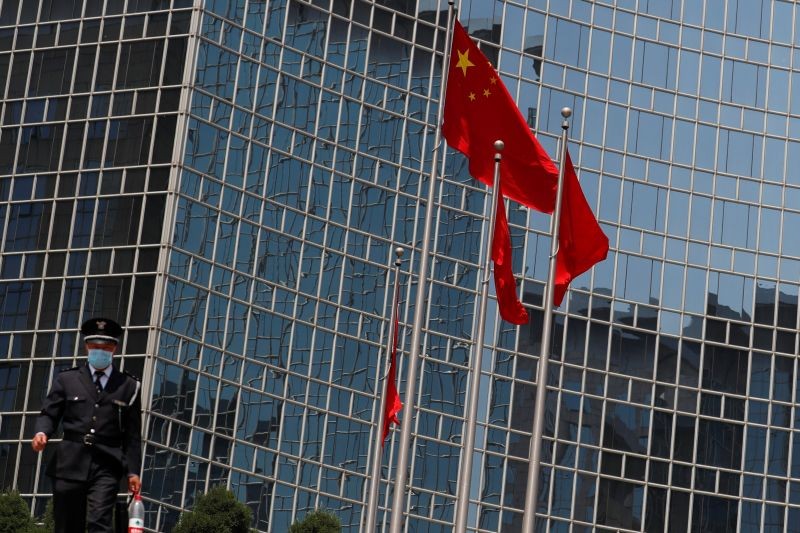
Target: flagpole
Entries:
(465, 474)
(531, 494)
(401, 475)
(377, 445)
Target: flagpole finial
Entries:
(566, 112)
(398, 252)
(499, 145)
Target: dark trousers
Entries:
(74, 501)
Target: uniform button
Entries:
(94, 418)
(91, 430)
(97, 405)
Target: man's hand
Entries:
(134, 483)
(39, 442)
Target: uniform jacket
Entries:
(112, 419)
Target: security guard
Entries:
(100, 410)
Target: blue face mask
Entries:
(99, 359)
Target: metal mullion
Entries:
(4, 231)
(251, 290)
(579, 445)
(652, 411)
(600, 448)
(745, 435)
(18, 453)
(764, 477)
(86, 276)
(59, 325)
(334, 352)
(41, 282)
(284, 26)
(135, 277)
(385, 329)
(502, 507)
(4, 87)
(304, 419)
(202, 341)
(792, 434)
(156, 114)
(21, 126)
(523, 283)
(413, 388)
(550, 491)
(507, 429)
(346, 239)
(170, 210)
(303, 241)
(112, 91)
(215, 378)
(216, 381)
(301, 438)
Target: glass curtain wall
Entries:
(89, 92)
(675, 382)
(303, 136)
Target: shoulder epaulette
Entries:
(71, 369)
(137, 378)
(138, 388)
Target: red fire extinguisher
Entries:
(136, 515)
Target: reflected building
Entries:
(228, 179)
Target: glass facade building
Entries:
(228, 179)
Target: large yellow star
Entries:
(463, 61)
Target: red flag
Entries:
(581, 242)
(393, 404)
(510, 307)
(478, 111)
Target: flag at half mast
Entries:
(392, 405)
(479, 110)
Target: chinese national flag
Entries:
(393, 404)
(478, 111)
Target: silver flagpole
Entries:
(377, 445)
(529, 519)
(403, 448)
(465, 474)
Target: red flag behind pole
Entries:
(581, 241)
(478, 111)
(393, 404)
(510, 307)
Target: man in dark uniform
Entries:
(99, 408)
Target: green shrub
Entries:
(317, 521)
(15, 516)
(217, 511)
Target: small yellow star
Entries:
(463, 61)
(493, 80)
(486, 93)
(472, 96)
